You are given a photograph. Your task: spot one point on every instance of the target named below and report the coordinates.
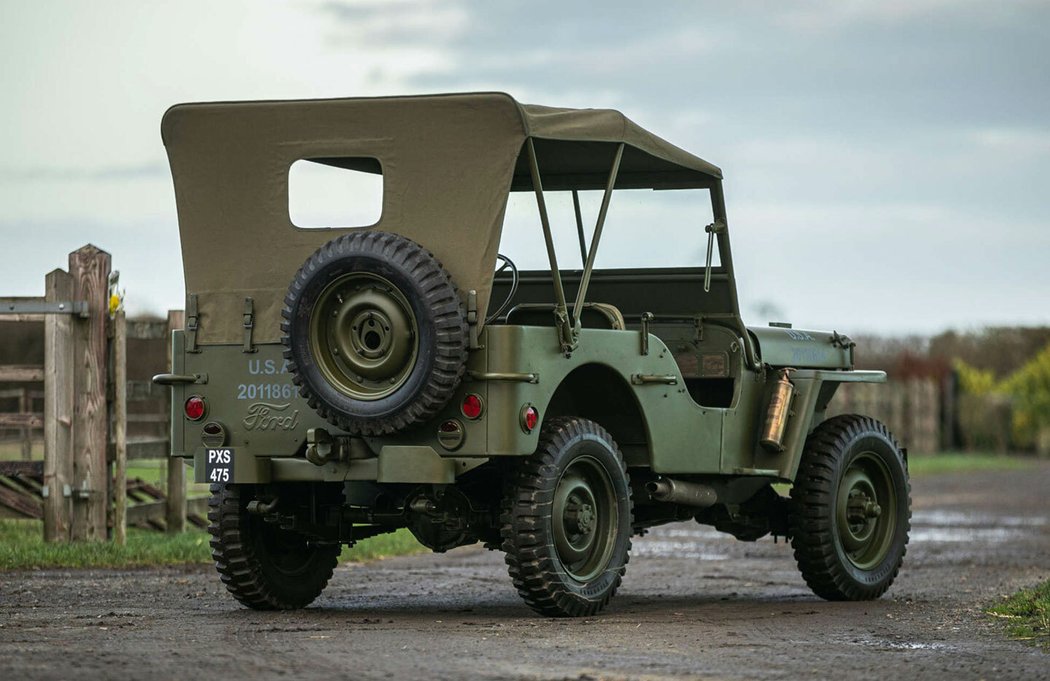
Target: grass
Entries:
(398, 543)
(22, 547)
(1027, 614)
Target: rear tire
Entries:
(850, 509)
(263, 566)
(566, 520)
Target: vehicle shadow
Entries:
(724, 607)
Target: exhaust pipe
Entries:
(681, 492)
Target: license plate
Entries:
(218, 465)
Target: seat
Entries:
(595, 315)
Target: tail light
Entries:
(195, 408)
(472, 406)
(529, 418)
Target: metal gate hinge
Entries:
(45, 491)
(36, 306)
(249, 324)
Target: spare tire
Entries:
(375, 333)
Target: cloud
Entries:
(885, 161)
(1016, 142)
(402, 23)
(833, 15)
(149, 170)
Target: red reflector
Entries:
(195, 408)
(529, 418)
(472, 406)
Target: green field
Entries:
(964, 462)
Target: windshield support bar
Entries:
(585, 278)
(561, 312)
(579, 227)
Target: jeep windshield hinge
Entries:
(716, 227)
(647, 319)
(249, 324)
(191, 323)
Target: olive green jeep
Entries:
(339, 383)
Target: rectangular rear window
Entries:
(335, 192)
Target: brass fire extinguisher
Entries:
(778, 413)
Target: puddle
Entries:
(883, 644)
(698, 532)
(933, 526)
(961, 526)
(956, 518)
(964, 534)
(674, 549)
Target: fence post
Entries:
(176, 507)
(89, 268)
(58, 410)
(120, 427)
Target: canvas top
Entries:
(448, 163)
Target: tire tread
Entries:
(812, 533)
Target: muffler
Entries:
(681, 492)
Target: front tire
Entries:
(850, 509)
(567, 520)
(263, 566)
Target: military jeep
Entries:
(339, 383)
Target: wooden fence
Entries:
(27, 397)
(93, 415)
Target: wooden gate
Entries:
(85, 419)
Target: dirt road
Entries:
(694, 604)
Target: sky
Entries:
(886, 163)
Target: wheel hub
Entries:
(583, 519)
(579, 517)
(364, 336)
(864, 528)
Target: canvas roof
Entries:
(447, 161)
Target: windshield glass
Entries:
(643, 229)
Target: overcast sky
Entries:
(886, 162)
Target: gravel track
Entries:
(694, 604)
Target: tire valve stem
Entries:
(777, 415)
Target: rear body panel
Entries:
(688, 427)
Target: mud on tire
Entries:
(566, 520)
(375, 333)
(850, 509)
(263, 566)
